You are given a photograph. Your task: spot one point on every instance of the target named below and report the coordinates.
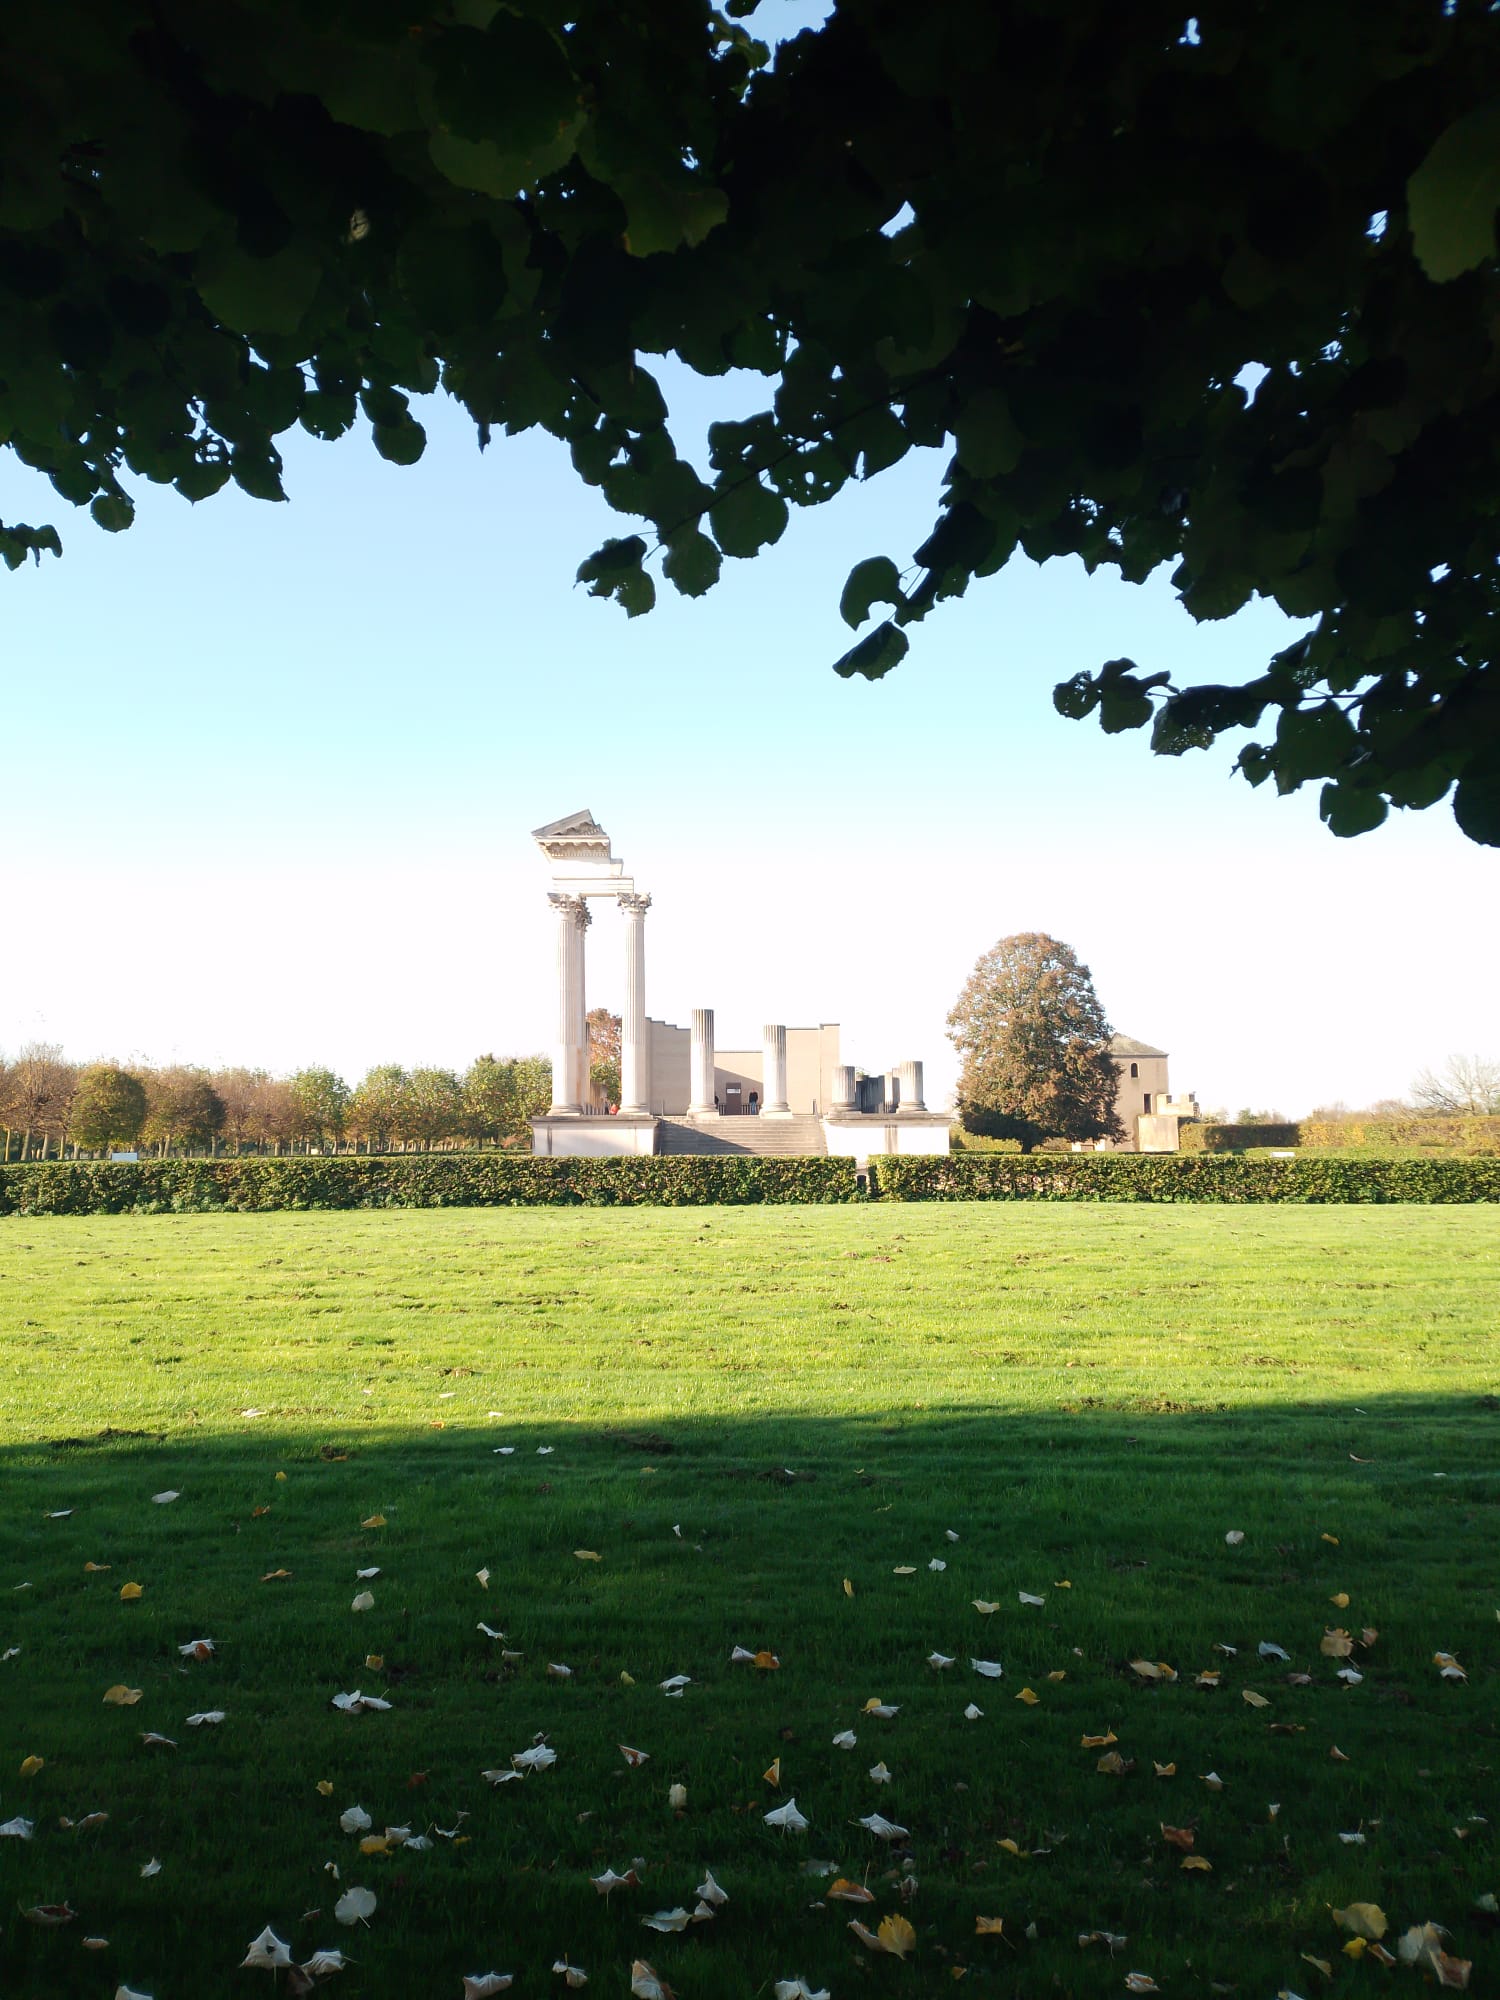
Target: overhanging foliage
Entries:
(1053, 238)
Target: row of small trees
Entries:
(49, 1106)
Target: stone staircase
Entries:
(800, 1136)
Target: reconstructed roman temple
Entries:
(678, 1093)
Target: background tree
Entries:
(1466, 1084)
(1033, 1046)
(182, 1108)
(432, 1107)
(109, 1107)
(375, 1109)
(39, 1085)
(1218, 292)
(604, 1053)
(323, 1104)
(242, 1094)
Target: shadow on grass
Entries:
(856, 1550)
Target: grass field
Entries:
(756, 1420)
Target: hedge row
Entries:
(1476, 1135)
(1209, 1137)
(425, 1180)
(456, 1180)
(1180, 1177)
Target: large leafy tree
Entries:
(1218, 292)
(109, 1107)
(1033, 1045)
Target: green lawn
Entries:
(738, 1410)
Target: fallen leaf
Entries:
(984, 1607)
(1147, 1669)
(571, 1975)
(904, 1569)
(275, 1575)
(49, 1915)
(896, 1936)
(1010, 1846)
(1235, 1537)
(1058, 1674)
(1336, 1644)
(1164, 1770)
(845, 1891)
(1448, 1667)
(480, 1985)
(645, 1985)
(540, 1757)
(1029, 1696)
(1213, 1781)
(884, 1829)
(772, 1774)
(788, 1818)
(374, 1521)
(365, 1601)
(1365, 1920)
(269, 1951)
(197, 1649)
(675, 1683)
(880, 1774)
(588, 1555)
(1178, 1836)
(120, 1696)
(848, 1588)
(129, 1592)
(152, 1740)
(1099, 1742)
(989, 1926)
(556, 1671)
(937, 1563)
(1255, 1700)
(609, 1881)
(1027, 1597)
(1330, 1538)
(991, 1669)
(677, 1797)
(845, 1740)
(96, 1569)
(1337, 1755)
(150, 1868)
(1340, 1602)
(165, 1499)
(356, 1703)
(354, 1819)
(634, 1757)
(798, 1989)
(206, 1718)
(1113, 1765)
(1270, 1651)
(1140, 1982)
(1196, 1861)
(937, 1661)
(355, 1906)
(31, 1765)
(325, 1786)
(972, 1713)
(667, 1920)
(17, 1829)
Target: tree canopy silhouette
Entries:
(1216, 292)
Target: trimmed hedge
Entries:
(1179, 1177)
(1477, 1136)
(427, 1180)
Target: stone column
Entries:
(773, 1072)
(701, 1100)
(635, 1046)
(571, 915)
(910, 1076)
(581, 1031)
(893, 1090)
(844, 1092)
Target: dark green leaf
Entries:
(874, 581)
(1453, 195)
(691, 562)
(747, 517)
(1351, 809)
(873, 657)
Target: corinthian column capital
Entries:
(634, 906)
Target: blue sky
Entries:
(271, 772)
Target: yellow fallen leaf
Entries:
(1099, 1742)
(989, 1926)
(1255, 1700)
(120, 1696)
(375, 1843)
(772, 1776)
(1164, 1770)
(1062, 1584)
(375, 1520)
(129, 1592)
(848, 1588)
(374, 1661)
(1140, 1982)
(1009, 1846)
(984, 1607)
(1178, 1836)
(903, 1569)
(1029, 1696)
(1356, 1947)
(96, 1569)
(31, 1765)
(325, 1786)
(1196, 1861)
(275, 1575)
(628, 1680)
(1340, 1602)
(1147, 1669)
(257, 1512)
(1318, 1964)
(587, 1555)
(896, 1936)
(1058, 1674)
(281, 1475)
(1366, 1920)
(1331, 1538)
(766, 1662)
(845, 1891)
(1336, 1644)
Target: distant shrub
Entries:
(1476, 1137)
(1209, 1137)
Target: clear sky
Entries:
(270, 772)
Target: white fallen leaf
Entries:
(365, 1601)
(130, 1993)
(1352, 1839)
(991, 1669)
(1028, 1597)
(972, 1714)
(937, 1564)
(484, 1578)
(667, 1920)
(153, 1741)
(984, 1607)
(540, 1757)
(845, 1740)
(267, 1950)
(545, 1450)
(1213, 1781)
(164, 1499)
(488, 1630)
(206, 1718)
(322, 1963)
(504, 1450)
(556, 1671)
(1235, 1537)
(197, 1649)
(364, 1575)
(479, 1985)
(1351, 1676)
(644, 1983)
(937, 1661)
(10, 1653)
(571, 1975)
(59, 1514)
(634, 1757)
(950, 1534)
(787, 1816)
(17, 1829)
(355, 1820)
(675, 1683)
(609, 1881)
(355, 1906)
(150, 1868)
(798, 1989)
(1269, 1651)
(502, 1777)
(708, 1891)
(1229, 1652)
(883, 1709)
(882, 1828)
(677, 1797)
(356, 1703)
(880, 1774)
